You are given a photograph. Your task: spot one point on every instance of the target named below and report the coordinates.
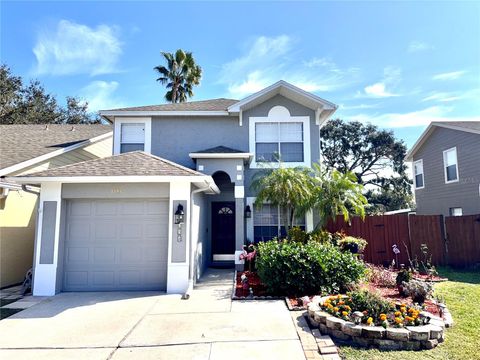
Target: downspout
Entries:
(191, 273)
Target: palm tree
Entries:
(180, 75)
(337, 193)
(289, 188)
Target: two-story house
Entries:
(175, 196)
(446, 169)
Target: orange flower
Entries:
(409, 319)
(383, 317)
(348, 307)
(335, 309)
(403, 309)
(398, 320)
(341, 302)
(398, 313)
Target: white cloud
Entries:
(442, 97)
(417, 46)
(360, 106)
(414, 118)
(391, 77)
(100, 95)
(449, 75)
(74, 48)
(269, 59)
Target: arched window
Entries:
(225, 211)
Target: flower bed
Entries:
(253, 282)
(404, 328)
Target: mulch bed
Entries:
(253, 282)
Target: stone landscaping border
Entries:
(406, 338)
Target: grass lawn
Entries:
(462, 341)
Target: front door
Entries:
(223, 230)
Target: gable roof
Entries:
(135, 163)
(220, 104)
(466, 126)
(323, 108)
(25, 145)
(219, 150)
(224, 107)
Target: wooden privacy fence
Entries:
(453, 240)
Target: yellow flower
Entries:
(344, 313)
(398, 320)
(397, 313)
(330, 306)
(383, 317)
(335, 309)
(403, 309)
(369, 321)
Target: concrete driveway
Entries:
(149, 325)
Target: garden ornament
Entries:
(357, 317)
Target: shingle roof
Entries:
(204, 105)
(19, 143)
(220, 150)
(136, 163)
(468, 125)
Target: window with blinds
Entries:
(132, 137)
(279, 141)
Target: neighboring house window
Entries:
(270, 222)
(450, 165)
(456, 211)
(132, 137)
(279, 141)
(418, 174)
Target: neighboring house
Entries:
(446, 169)
(176, 195)
(26, 149)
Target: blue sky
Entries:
(397, 65)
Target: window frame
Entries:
(445, 165)
(279, 141)
(117, 136)
(280, 114)
(450, 212)
(420, 161)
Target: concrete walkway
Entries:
(149, 325)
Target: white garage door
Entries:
(116, 245)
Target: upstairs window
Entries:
(418, 174)
(132, 137)
(279, 141)
(450, 165)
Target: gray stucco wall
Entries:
(437, 197)
(175, 138)
(115, 190)
(295, 109)
(47, 245)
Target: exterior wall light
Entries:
(248, 212)
(179, 215)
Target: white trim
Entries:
(45, 275)
(414, 176)
(36, 160)
(239, 191)
(445, 166)
(220, 155)
(250, 201)
(147, 121)
(280, 114)
(424, 136)
(224, 257)
(107, 179)
(276, 89)
(309, 227)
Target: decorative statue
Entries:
(248, 255)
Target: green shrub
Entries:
(353, 244)
(293, 268)
(365, 300)
(298, 235)
(403, 275)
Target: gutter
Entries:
(7, 187)
(191, 274)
